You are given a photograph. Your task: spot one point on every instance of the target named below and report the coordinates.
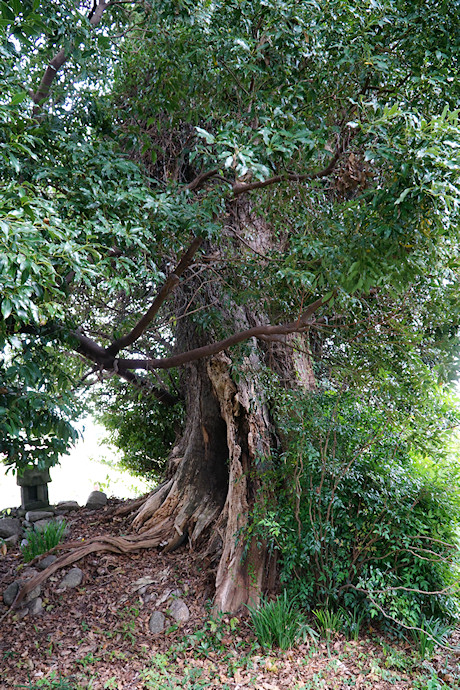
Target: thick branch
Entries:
(171, 282)
(91, 350)
(42, 93)
(239, 188)
(201, 179)
(207, 350)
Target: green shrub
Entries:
(139, 426)
(41, 541)
(363, 523)
(279, 623)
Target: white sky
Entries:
(79, 473)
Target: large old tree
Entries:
(208, 201)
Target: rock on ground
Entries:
(66, 506)
(157, 622)
(36, 607)
(35, 515)
(72, 579)
(9, 594)
(96, 499)
(10, 527)
(179, 611)
(45, 562)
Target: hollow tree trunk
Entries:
(214, 475)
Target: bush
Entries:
(41, 541)
(363, 524)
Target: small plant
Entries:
(430, 683)
(352, 621)
(51, 683)
(432, 632)
(279, 623)
(41, 541)
(162, 674)
(329, 621)
(128, 617)
(213, 637)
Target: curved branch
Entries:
(202, 178)
(43, 90)
(301, 324)
(239, 188)
(171, 283)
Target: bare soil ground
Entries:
(97, 636)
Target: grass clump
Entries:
(279, 623)
(432, 632)
(329, 622)
(41, 541)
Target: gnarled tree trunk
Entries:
(215, 471)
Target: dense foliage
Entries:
(139, 427)
(368, 522)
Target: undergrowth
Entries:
(41, 541)
(362, 521)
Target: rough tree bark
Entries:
(215, 471)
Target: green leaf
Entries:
(6, 307)
(403, 195)
(210, 139)
(19, 98)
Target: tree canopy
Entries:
(337, 120)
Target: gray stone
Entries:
(64, 507)
(12, 542)
(179, 611)
(96, 499)
(9, 595)
(9, 527)
(157, 623)
(72, 579)
(33, 594)
(35, 515)
(41, 525)
(36, 607)
(34, 489)
(45, 562)
(32, 476)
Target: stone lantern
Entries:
(34, 488)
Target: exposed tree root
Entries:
(119, 545)
(173, 518)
